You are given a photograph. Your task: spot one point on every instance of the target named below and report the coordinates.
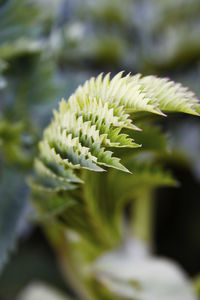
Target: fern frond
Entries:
(91, 122)
(89, 133)
(120, 91)
(137, 93)
(170, 96)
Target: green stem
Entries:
(58, 240)
(91, 194)
(143, 211)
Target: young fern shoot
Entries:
(93, 118)
(93, 132)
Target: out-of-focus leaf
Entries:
(12, 211)
(19, 47)
(49, 9)
(36, 261)
(49, 206)
(158, 34)
(17, 18)
(112, 12)
(12, 144)
(151, 139)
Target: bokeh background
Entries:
(47, 48)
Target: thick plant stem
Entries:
(142, 217)
(58, 240)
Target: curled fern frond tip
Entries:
(91, 122)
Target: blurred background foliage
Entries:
(47, 48)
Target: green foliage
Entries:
(17, 22)
(92, 122)
(16, 13)
(87, 133)
(85, 196)
(12, 210)
(11, 142)
(133, 35)
(92, 131)
(26, 79)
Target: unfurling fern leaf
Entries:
(91, 132)
(92, 121)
